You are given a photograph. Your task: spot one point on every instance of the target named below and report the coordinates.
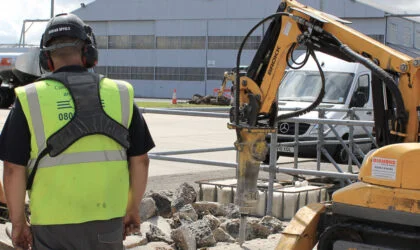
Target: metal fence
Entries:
(350, 145)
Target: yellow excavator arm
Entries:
(297, 25)
(395, 87)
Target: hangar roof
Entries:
(104, 10)
(409, 8)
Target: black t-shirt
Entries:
(15, 143)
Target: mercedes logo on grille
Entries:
(284, 127)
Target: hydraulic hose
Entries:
(238, 59)
(402, 115)
(318, 100)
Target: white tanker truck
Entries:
(17, 69)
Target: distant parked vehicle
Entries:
(16, 69)
(347, 85)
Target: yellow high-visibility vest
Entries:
(89, 180)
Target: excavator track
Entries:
(370, 236)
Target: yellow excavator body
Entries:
(382, 209)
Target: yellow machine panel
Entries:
(395, 165)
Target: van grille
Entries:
(288, 128)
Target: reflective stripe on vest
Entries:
(73, 158)
(81, 157)
(35, 110)
(125, 109)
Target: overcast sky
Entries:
(13, 12)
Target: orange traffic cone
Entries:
(174, 97)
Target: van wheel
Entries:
(11, 97)
(4, 98)
(341, 155)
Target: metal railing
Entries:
(350, 119)
(349, 145)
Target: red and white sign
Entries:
(384, 168)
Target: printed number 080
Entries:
(65, 116)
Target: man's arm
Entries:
(139, 169)
(14, 178)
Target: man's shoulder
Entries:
(27, 86)
(119, 82)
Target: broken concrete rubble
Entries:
(205, 207)
(196, 224)
(201, 224)
(221, 235)
(188, 211)
(184, 239)
(275, 225)
(202, 233)
(184, 195)
(154, 233)
(163, 204)
(212, 221)
(133, 241)
(148, 208)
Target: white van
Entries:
(347, 85)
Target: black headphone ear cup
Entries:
(45, 61)
(90, 56)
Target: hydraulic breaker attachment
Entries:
(252, 148)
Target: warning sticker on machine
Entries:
(384, 168)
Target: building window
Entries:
(167, 73)
(417, 39)
(216, 73)
(392, 33)
(407, 36)
(101, 42)
(377, 37)
(142, 73)
(193, 42)
(122, 72)
(180, 74)
(180, 42)
(119, 42)
(143, 42)
(131, 42)
(119, 72)
(192, 74)
(175, 42)
(100, 70)
(233, 42)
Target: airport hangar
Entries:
(162, 45)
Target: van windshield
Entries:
(305, 85)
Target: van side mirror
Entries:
(358, 100)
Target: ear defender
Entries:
(89, 56)
(44, 58)
(89, 51)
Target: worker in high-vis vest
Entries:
(77, 142)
